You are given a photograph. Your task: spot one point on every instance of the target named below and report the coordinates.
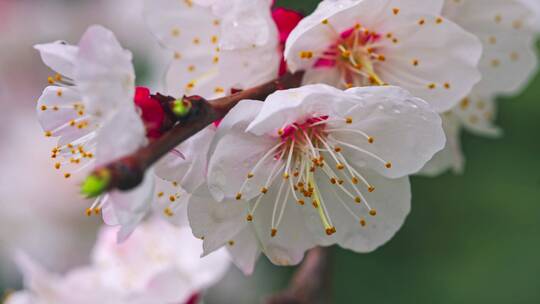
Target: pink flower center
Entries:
(355, 54)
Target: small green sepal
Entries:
(181, 107)
(96, 183)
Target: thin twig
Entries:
(128, 172)
(311, 282)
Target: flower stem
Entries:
(311, 282)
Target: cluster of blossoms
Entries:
(387, 87)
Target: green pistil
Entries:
(96, 183)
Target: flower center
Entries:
(306, 155)
(355, 54)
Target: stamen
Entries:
(385, 163)
(369, 138)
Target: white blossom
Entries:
(398, 42)
(507, 64)
(217, 45)
(313, 166)
(88, 107)
(158, 264)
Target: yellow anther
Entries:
(172, 198)
(349, 120)
(354, 180)
(88, 212)
(273, 232)
(264, 190)
(175, 32)
(67, 175)
(363, 222)
(340, 166)
(395, 10)
(388, 165)
(337, 149)
(238, 196)
(306, 54)
(371, 140)
(315, 204)
(358, 200)
(168, 212)
(160, 194)
(280, 132)
(250, 175)
(372, 212)
(249, 218)
(285, 175)
(330, 230)
(231, 243)
(371, 188)
(97, 211)
(301, 202)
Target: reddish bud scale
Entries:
(152, 112)
(286, 20)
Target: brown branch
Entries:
(311, 282)
(128, 172)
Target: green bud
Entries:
(181, 108)
(96, 183)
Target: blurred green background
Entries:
(473, 238)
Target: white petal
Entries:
(477, 113)
(216, 222)
(104, 73)
(59, 56)
(435, 46)
(244, 250)
(246, 23)
(286, 107)
(509, 58)
(293, 236)
(171, 201)
(213, 74)
(36, 278)
(329, 76)
(113, 142)
(59, 113)
(187, 163)
(182, 26)
(451, 156)
(406, 132)
(170, 286)
(21, 297)
(391, 200)
(312, 35)
(130, 207)
(235, 154)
